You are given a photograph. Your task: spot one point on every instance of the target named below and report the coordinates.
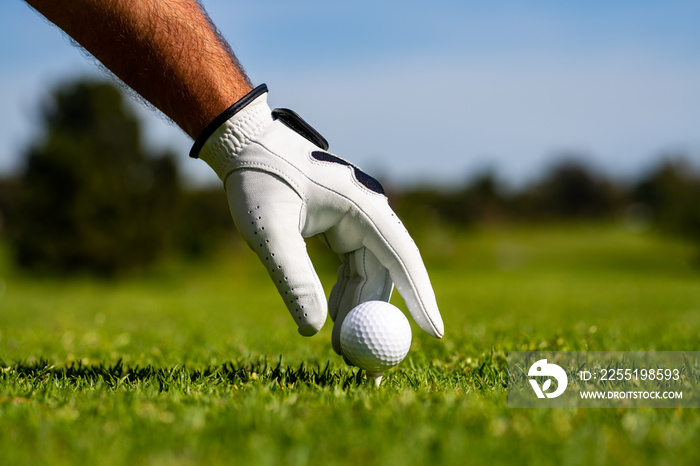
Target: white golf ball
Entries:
(375, 336)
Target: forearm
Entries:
(165, 50)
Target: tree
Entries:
(92, 198)
(570, 189)
(671, 191)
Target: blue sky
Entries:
(435, 91)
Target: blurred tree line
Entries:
(666, 197)
(93, 199)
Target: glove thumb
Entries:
(268, 214)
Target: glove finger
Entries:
(395, 249)
(267, 213)
(361, 278)
(375, 226)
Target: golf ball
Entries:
(375, 336)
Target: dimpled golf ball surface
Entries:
(375, 336)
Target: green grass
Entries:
(202, 365)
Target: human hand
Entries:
(283, 186)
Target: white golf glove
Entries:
(283, 186)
